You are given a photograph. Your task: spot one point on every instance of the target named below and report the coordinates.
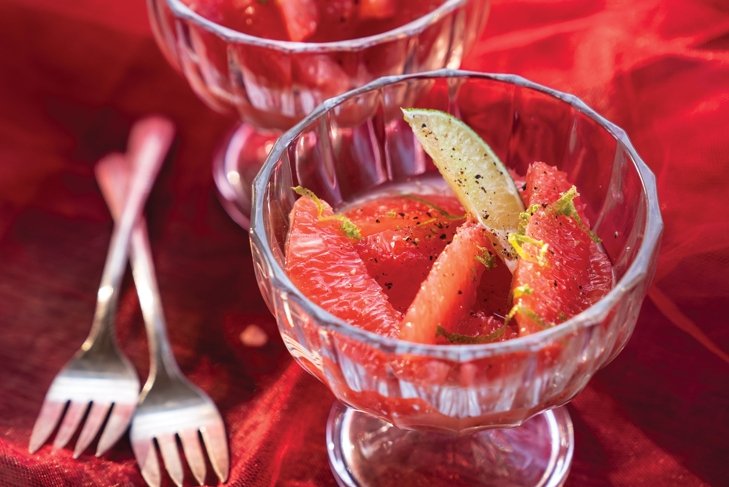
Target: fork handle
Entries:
(112, 173)
(149, 142)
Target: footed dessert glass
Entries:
(486, 414)
(272, 84)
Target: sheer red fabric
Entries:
(76, 74)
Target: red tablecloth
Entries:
(74, 75)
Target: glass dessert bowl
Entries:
(483, 414)
(271, 83)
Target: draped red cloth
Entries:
(73, 77)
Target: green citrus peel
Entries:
(565, 205)
(521, 308)
(525, 216)
(457, 338)
(522, 290)
(486, 257)
(518, 241)
(348, 227)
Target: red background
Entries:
(74, 76)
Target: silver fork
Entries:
(99, 378)
(170, 406)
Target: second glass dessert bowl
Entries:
(485, 414)
(272, 84)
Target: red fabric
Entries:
(75, 75)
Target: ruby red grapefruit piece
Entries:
(320, 72)
(405, 211)
(401, 238)
(322, 261)
(377, 9)
(250, 16)
(562, 270)
(544, 184)
(449, 291)
(301, 18)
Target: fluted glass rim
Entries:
(638, 271)
(234, 36)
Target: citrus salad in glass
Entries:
(452, 303)
(486, 257)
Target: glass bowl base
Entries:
(235, 166)
(366, 451)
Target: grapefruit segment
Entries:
(562, 270)
(449, 291)
(545, 184)
(406, 211)
(401, 238)
(376, 9)
(322, 261)
(320, 72)
(300, 17)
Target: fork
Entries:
(99, 378)
(170, 406)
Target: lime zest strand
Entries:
(486, 257)
(349, 228)
(457, 338)
(525, 216)
(520, 307)
(517, 241)
(523, 290)
(565, 205)
(445, 213)
(302, 191)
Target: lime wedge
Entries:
(477, 176)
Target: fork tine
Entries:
(194, 454)
(119, 419)
(217, 446)
(171, 457)
(93, 423)
(69, 425)
(147, 461)
(48, 417)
